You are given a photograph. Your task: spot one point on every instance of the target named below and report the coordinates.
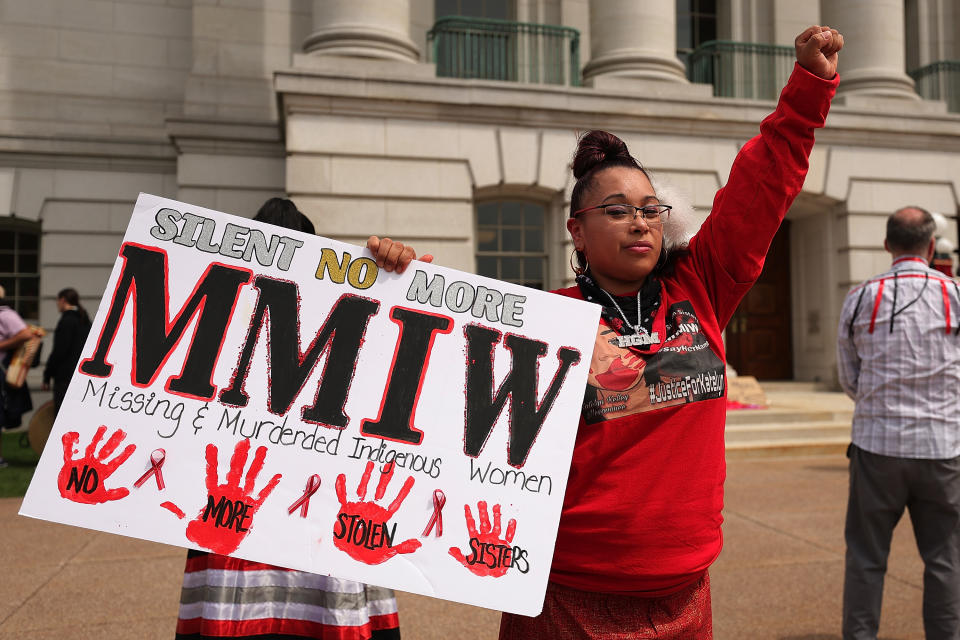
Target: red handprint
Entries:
(489, 554)
(82, 480)
(226, 519)
(361, 530)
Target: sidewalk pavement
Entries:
(780, 575)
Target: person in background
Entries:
(13, 402)
(898, 355)
(68, 340)
(224, 597)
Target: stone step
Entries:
(791, 386)
(770, 432)
(779, 448)
(788, 415)
(802, 418)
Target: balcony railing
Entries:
(940, 81)
(742, 69)
(503, 50)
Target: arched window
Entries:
(20, 265)
(511, 242)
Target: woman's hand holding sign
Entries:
(227, 517)
(391, 255)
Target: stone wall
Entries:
(103, 68)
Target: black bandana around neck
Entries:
(648, 298)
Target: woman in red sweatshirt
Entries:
(642, 512)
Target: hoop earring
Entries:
(576, 268)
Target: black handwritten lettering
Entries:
(510, 477)
(85, 481)
(144, 278)
(364, 532)
(417, 333)
(526, 414)
(227, 513)
(496, 556)
(135, 403)
(240, 425)
(384, 455)
(341, 334)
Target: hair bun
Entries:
(598, 147)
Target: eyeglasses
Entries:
(651, 213)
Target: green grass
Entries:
(15, 478)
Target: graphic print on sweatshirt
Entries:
(624, 381)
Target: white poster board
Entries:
(271, 395)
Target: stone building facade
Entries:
(397, 117)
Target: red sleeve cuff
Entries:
(801, 72)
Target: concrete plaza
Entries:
(780, 575)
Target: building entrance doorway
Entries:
(758, 338)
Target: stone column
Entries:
(367, 29)
(873, 59)
(634, 38)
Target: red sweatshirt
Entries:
(642, 511)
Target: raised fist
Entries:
(817, 49)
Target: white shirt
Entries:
(898, 355)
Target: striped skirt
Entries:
(225, 597)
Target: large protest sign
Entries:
(271, 395)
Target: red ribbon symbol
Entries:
(438, 501)
(156, 462)
(313, 483)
